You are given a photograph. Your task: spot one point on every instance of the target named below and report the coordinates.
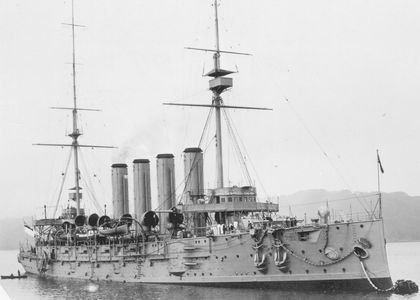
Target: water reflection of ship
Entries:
(219, 237)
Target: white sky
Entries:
(350, 70)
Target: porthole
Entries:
(338, 228)
(325, 270)
(320, 250)
(344, 270)
(307, 271)
(361, 226)
(237, 255)
(303, 251)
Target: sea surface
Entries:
(403, 258)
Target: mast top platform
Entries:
(218, 72)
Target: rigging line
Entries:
(206, 126)
(187, 178)
(322, 150)
(242, 157)
(186, 126)
(89, 185)
(334, 200)
(239, 155)
(249, 157)
(194, 163)
(97, 166)
(184, 180)
(89, 191)
(62, 182)
(374, 209)
(236, 133)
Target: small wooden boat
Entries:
(11, 276)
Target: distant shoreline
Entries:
(404, 241)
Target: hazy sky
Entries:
(350, 70)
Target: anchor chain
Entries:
(308, 261)
(371, 282)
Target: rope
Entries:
(195, 162)
(324, 153)
(62, 182)
(89, 185)
(237, 148)
(236, 133)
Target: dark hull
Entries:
(313, 285)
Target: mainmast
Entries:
(218, 85)
(217, 101)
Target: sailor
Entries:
(19, 273)
(231, 227)
(250, 225)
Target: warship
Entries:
(211, 237)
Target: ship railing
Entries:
(353, 217)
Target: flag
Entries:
(379, 163)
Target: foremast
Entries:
(76, 133)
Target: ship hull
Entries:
(232, 260)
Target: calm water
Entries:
(404, 263)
